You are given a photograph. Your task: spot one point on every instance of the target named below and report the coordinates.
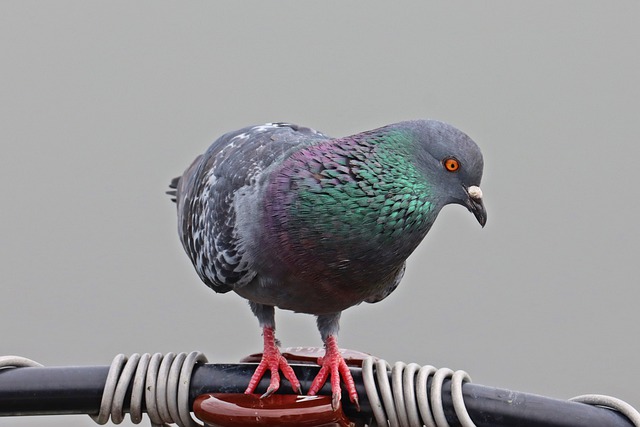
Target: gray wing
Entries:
(205, 198)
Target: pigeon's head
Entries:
(452, 163)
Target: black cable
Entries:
(78, 390)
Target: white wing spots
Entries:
(216, 257)
(268, 126)
(225, 257)
(239, 138)
(211, 180)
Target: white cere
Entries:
(475, 192)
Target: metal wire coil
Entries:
(163, 383)
(404, 401)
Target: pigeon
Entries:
(288, 217)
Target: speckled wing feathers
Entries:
(205, 198)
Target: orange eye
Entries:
(451, 164)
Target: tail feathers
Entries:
(174, 188)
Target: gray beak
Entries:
(475, 204)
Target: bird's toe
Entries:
(334, 365)
(274, 367)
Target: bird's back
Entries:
(205, 196)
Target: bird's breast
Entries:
(334, 235)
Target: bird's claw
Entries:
(333, 364)
(269, 391)
(336, 397)
(274, 363)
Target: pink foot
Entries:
(333, 363)
(272, 360)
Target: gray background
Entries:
(101, 104)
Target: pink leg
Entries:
(333, 364)
(273, 361)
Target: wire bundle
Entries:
(397, 395)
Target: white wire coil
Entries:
(404, 401)
(17, 362)
(163, 383)
(612, 403)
